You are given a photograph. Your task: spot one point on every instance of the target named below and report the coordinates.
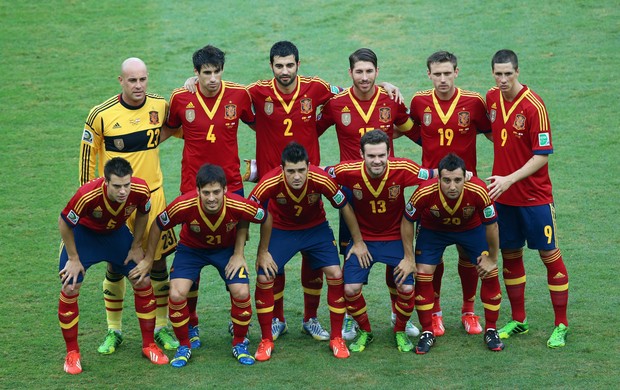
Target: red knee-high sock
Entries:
(192, 302)
(424, 300)
(337, 306)
(469, 284)
(391, 285)
(557, 280)
(404, 308)
(69, 316)
(240, 315)
(437, 278)
(312, 282)
(514, 279)
(356, 306)
(178, 312)
(145, 304)
(491, 297)
(278, 297)
(263, 298)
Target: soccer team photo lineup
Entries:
(159, 245)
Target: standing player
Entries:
(358, 109)
(378, 183)
(448, 119)
(92, 227)
(215, 227)
(129, 125)
(522, 189)
(452, 211)
(210, 119)
(296, 222)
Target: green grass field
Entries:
(60, 58)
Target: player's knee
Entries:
(405, 288)
(352, 289)
(239, 291)
(71, 291)
(142, 284)
(333, 272)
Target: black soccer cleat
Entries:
(491, 338)
(427, 339)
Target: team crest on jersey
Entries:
(345, 118)
(87, 136)
(130, 209)
(268, 108)
(190, 115)
(230, 112)
(435, 211)
(313, 198)
(231, 225)
(194, 226)
(519, 122)
(153, 117)
(492, 115)
(97, 212)
(544, 139)
(164, 218)
(464, 118)
(119, 143)
(427, 118)
(393, 192)
(385, 114)
(468, 211)
(73, 217)
(306, 105)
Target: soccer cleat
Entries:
(263, 352)
(165, 338)
(349, 328)
(402, 342)
(438, 328)
(182, 356)
(361, 341)
(154, 354)
(471, 324)
(425, 343)
(410, 328)
(240, 352)
(513, 327)
(339, 348)
(111, 341)
(313, 328)
(558, 337)
(491, 338)
(194, 336)
(278, 328)
(72, 363)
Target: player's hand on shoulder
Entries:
(190, 84)
(393, 92)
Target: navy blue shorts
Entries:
(188, 262)
(430, 244)
(534, 224)
(387, 252)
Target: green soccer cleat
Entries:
(402, 342)
(165, 338)
(558, 337)
(513, 327)
(111, 341)
(361, 341)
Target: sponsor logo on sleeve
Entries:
(339, 197)
(260, 214)
(543, 139)
(424, 174)
(331, 172)
(409, 209)
(73, 217)
(164, 218)
(87, 136)
(147, 207)
(489, 212)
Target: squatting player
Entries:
(129, 125)
(92, 227)
(522, 189)
(453, 211)
(296, 223)
(448, 120)
(360, 108)
(215, 226)
(378, 183)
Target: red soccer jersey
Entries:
(210, 127)
(282, 118)
(520, 130)
(436, 212)
(448, 126)
(91, 208)
(297, 209)
(354, 117)
(379, 203)
(205, 231)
